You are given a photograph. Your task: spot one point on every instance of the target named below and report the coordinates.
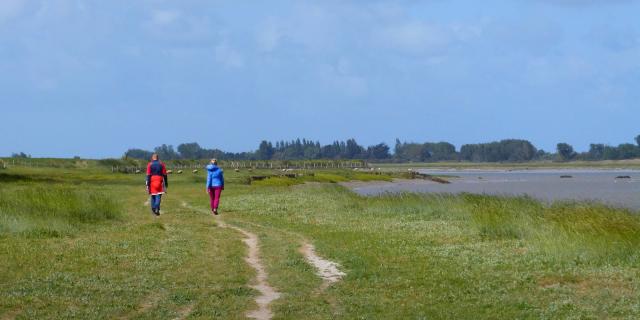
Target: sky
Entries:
(94, 78)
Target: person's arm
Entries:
(222, 178)
(208, 180)
(165, 175)
(148, 180)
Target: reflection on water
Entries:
(606, 186)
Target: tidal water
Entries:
(603, 186)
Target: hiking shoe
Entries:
(215, 212)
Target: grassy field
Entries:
(80, 243)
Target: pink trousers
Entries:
(214, 195)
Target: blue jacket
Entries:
(215, 178)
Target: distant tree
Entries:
(166, 152)
(565, 151)
(596, 151)
(379, 151)
(542, 155)
(353, 150)
(311, 150)
(439, 151)
(265, 151)
(611, 153)
(627, 151)
(411, 152)
(397, 146)
(21, 155)
(638, 140)
(137, 154)
(191, 151)
(513, 150)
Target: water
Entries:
(546, 185)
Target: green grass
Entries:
(407, 256)
(415, 256)
(586, 232)
(54, 210)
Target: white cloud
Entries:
(228, 56)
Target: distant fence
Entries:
(34, 163)
(139, 166)
(266, 165)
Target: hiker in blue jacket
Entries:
(215, 184)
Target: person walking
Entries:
(215, 184)
(157, 182)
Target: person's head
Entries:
(154, 157)
(214, 161)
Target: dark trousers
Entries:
(155, 201)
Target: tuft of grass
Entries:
(579, 232)
(502, 217)
(53, 210)
(589, 232)
(329, 177)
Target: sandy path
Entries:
(267, 293)
(184, 312)
(11, 314)
(327, 270)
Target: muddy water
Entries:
(547, 185)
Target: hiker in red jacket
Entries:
(157, 182)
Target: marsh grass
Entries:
(412, 256)
(407, 256)
(324, 176)
(54, 210)
(569, 231)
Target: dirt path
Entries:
(267, 293)
(147, 303)
(327, 270)
(11, 314)
(184, 312)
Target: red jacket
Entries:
(157, 180)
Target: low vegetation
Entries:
(53, 209)
(84, 245)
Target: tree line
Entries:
(600, 151)
(508, 150)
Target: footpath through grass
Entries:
(406, 256)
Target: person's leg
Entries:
(158, 201)
(216, 200)
(211, 198)
(153, 202)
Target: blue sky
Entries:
(93, 78)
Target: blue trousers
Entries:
(155, 201)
